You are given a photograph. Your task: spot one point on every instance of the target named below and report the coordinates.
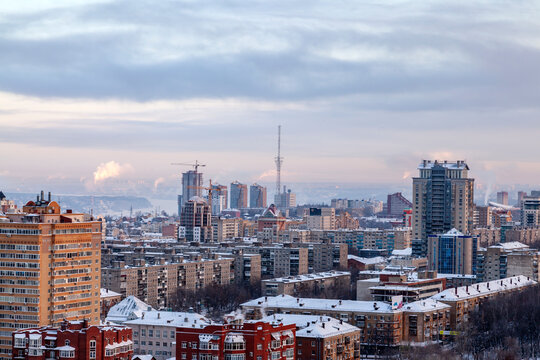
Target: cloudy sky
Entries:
(101, 96)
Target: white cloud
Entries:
(109, 170)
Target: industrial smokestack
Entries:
(42, 196)
(49, 196)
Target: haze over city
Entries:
(112, 92)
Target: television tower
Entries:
(279, 161)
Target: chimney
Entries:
(455, 290)
(49, 196)
(159, 315)
(323, 325)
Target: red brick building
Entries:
(248, 341)
(73, 340)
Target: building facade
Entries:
(50, 268)
(452, 253)
(73, 340)
(196, 221)
(239, 195)
(396, 204)
(248, 341)
(442, 199)
(257, 196)
(192, 181)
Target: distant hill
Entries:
(86, 203)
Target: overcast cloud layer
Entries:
(364, 90)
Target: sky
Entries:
(101, 97)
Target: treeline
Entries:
(215, 300)
(506, 327)
(508, 324)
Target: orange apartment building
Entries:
(49, 269)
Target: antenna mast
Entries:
(279, 161)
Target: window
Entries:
(259, 346)
(150, 333)
(193, 345)
(172, 334)
(184, 345)
(158, 333)
(143, 332)
(135, 333)
(313, 344)
(183, 356)
(157, 343)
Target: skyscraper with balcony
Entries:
(196, 221)
(192, 181)
(257, 196)
(50, 268)
(239, 195)
(442, 199)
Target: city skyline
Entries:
(364, 92)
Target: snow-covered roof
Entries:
(65, 348)
(402, 252)
(289, 302)
(307, 277)
(425, 305)
(130, 307)
(367, 261)
(512, 245)
(454, 232)
(170, 318)
(105, 293)
(312, 326)
(427, 165)
(484, 288)
(143, 357)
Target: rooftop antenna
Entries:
(279, 161)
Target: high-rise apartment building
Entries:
(320, 218)
(520, 196)
(257, 196)
(220, 196)
(442, 199)
(452, 253)
(396, 204)
(196, 221)
(50, 268)
(239, 195)
(485, 216)
(502, 197)
(530, 211)
(192, 181)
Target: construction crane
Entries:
(195, 166)
(209, 188)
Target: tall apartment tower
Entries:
(442, 199)
(396, 204)
(239, 195)
(520, 195)
(192, 181)
(257, 196)
(502, 197)
(530, 211)
(221, 190)
(196, 221)
(50, 268)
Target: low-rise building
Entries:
(321, 337)
(107, 300)
(73, 340)
(154, 331)
(129, 308)
(295, 285)
(464, 299)
(247, 341)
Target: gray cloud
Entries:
(405, 56)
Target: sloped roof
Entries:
(130, 307)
